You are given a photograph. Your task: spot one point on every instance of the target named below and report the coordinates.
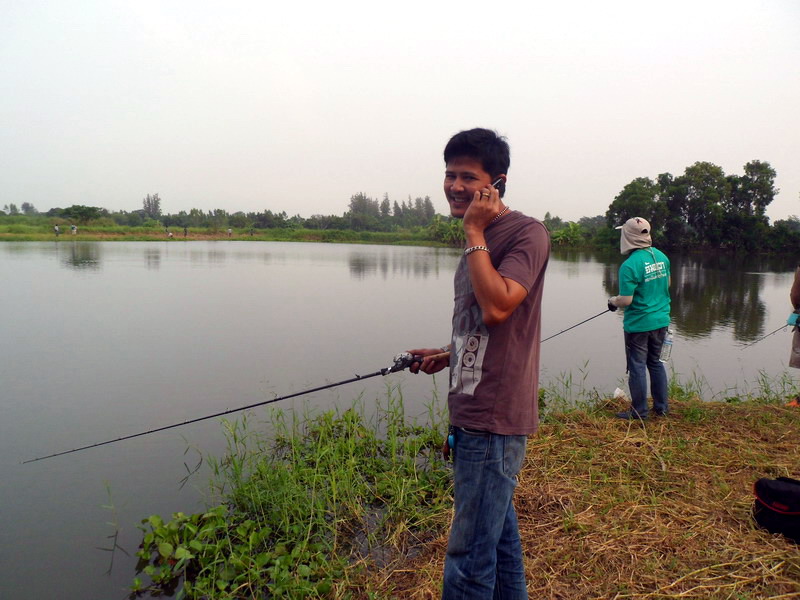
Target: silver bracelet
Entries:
(472, 249)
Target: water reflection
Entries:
(707, 295)
(392, 262)
(709, 292)
(362, 262)
(82, 257)
(152, 258)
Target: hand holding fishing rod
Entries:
(429, 360)
(400, 362)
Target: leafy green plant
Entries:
(304, 506)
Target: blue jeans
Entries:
(484, 553)
(642, 351)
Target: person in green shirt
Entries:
(644, 280)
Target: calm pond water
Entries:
(101, 340)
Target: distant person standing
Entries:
(794, 297)
(185, 232)
(57, 230)
(644, 280)
(74, 229)
(230, 232)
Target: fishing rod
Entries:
(574, 326)
(765, 336)
(792, 321)
(400, 362)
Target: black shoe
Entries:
(630, 415)
(660, 413)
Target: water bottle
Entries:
(666, 347)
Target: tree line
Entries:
(704, 207)
(701, 209)
(363, 214)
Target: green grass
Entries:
(43, 231)
(305, 508)
(349, 505)
(655, 510)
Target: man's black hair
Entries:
(483, 145)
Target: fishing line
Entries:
(447, 353)
(574, 326)
(401, 361)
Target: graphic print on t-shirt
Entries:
(470, 350)
(470, 337)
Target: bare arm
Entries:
(497, 296)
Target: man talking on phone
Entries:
(494, 367)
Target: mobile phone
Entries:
(499, 184)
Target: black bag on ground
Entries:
(777, 506)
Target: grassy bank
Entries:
(341, 506)
(610, 509)
(32, 233)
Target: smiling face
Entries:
(463, 177)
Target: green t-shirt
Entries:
(645, 276)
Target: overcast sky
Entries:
(297, 106)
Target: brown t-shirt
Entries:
(494, 371)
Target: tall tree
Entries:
(152, 206)
(363, 213)
(552, 222)
(386, 207)
(428, 210)
(83, 214)
(758, 184)
(637, 199)
(361, 204)
(706, 191)
(217, 218)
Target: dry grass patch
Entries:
(612, 509)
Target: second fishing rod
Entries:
(446, 353)
(400, 362)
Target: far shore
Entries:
(205, 235)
